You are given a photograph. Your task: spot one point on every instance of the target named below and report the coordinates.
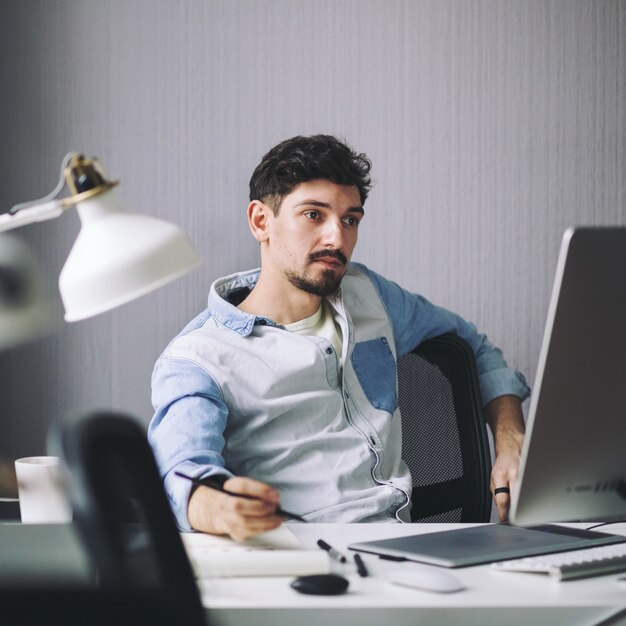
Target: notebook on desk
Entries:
(485, 544)
(573, 466)
(274, 553)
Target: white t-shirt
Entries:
(320, 324)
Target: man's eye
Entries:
(351, 221)
(312, 215)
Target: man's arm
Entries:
(187, 435)
(506, 420)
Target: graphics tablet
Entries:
(484, 544)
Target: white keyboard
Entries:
(573, 564)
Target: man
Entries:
(285, 385)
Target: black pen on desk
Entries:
(207, 482)
(335, 554)
(360, 566)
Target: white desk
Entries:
(496, 598)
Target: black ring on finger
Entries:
(498, 490)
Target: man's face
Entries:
(312, 238)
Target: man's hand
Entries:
(504, 474)
(218, 513)
(506, 420)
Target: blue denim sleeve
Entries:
(187, 430)
(414, 319)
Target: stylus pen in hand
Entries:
(212, 484)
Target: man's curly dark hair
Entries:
(300, 159)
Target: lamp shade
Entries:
(23, 308)
(119, 256)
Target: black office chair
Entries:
(122, 513)
(120, 509)
(444, 435)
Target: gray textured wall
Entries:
(492, 125)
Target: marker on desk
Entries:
(360, 566)
(335, 554)
(212, 484)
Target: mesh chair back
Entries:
(122, 513)
(444, 435)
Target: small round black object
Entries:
(320, 584)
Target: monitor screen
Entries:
(573, 464)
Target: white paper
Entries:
(276, 553)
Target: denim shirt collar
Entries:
(229, 315)
(237, 320)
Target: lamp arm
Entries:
(45, 208)
(37, 213)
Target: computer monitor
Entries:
(573, 465)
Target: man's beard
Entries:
(326, 285)
(329, 281)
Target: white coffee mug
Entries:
(42, 493)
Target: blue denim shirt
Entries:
(237, 394)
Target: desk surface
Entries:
(490, 597)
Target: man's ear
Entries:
(258, 220)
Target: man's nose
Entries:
(333, 233)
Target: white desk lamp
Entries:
(117, 256)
